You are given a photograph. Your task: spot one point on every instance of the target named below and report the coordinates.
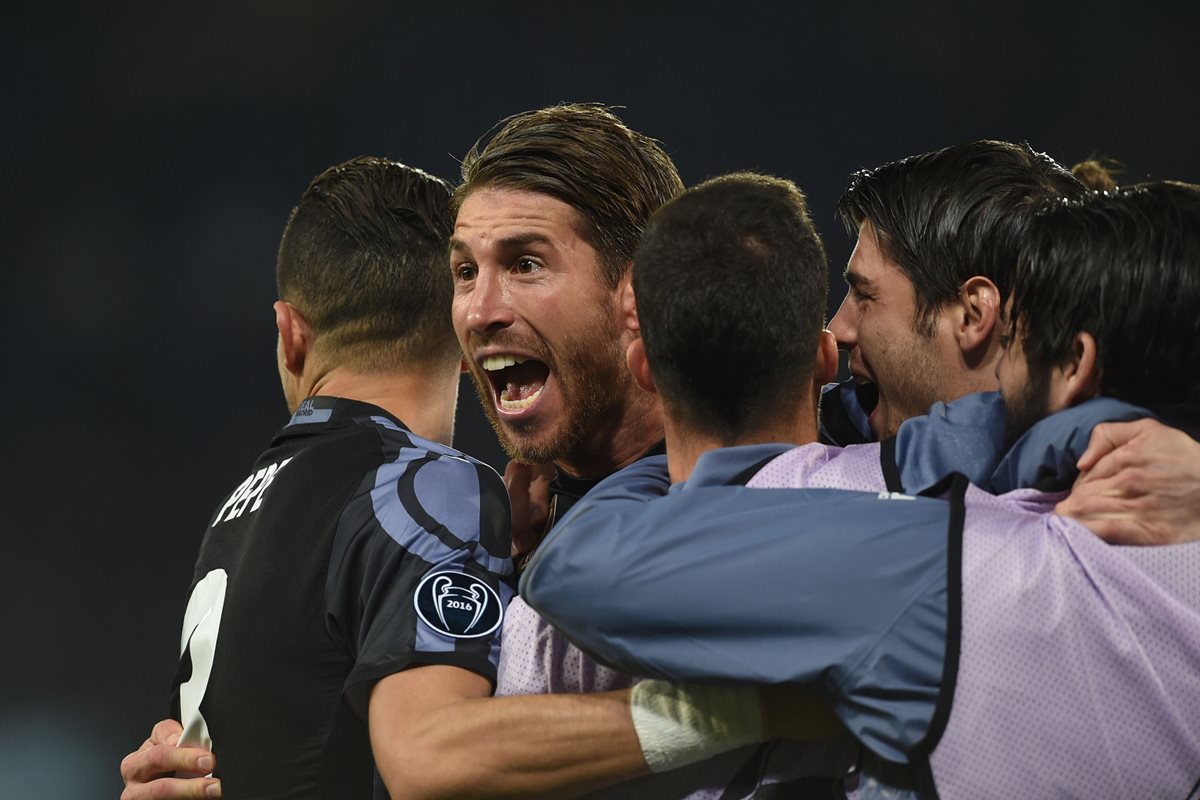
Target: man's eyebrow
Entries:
(507, 243)
(857, 279)
(523, 240)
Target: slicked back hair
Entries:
(954, 213)
(363, 256)
(730, 280)
(582, 154)
(1123, 266)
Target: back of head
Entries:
(1123, 266)
(954, 213)
(730, 280)
(583, 155)
(364, 258)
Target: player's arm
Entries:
(436, 733)
(1139, 483)
(148, 771)
(723, 582)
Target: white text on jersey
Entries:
(251, 489)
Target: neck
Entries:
(975, 372)
(422, 397)
(686, 443)
(636, 426)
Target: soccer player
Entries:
(359, 573)
(937, 237)
(977, 648)
(548, 216)
(549, 212)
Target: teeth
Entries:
(493, 363)
(517, 405)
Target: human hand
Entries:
(148, 771)
(529, 494)
(1139, 483)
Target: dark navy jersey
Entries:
(353, 550)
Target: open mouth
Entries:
(517, 382)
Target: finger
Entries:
(1119, 530)
(516, 481)
(1107, 437)
(174, 789)
(1101, 498)
(539, 495)
(161, 759)
(1111, 464)
(166, 731)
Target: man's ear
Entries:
(639, 365)
(295, 336)
(627, 300)
(1078, 379)
(825, 366)
(980, 301)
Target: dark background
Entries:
(152, 155)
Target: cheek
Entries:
(877, 332)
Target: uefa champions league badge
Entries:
(457, 605)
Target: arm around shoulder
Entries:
(1139, 484)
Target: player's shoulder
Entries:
(432, 482)
(402, 445)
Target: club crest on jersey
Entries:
(458, 605)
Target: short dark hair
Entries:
(585, 156)
(730, 280)
(1123, 266)
(954, 213)
(364, 258)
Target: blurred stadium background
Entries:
(154, 151)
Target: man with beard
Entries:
(358, 574)
(549, 213)
(977, 645)
(937, 237)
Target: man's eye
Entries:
(526, 265)
(859, 295)
(465, 272)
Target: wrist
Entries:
(678, 724)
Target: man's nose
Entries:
(490, 307)
(844, 325)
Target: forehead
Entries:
(870, 264)
(491, 216)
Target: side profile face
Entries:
(877, 324)
(541, 334)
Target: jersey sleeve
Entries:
(420, 572)
(842, 591)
